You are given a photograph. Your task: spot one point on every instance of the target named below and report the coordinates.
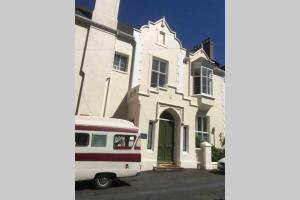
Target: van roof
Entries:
(101, 121)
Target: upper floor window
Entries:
(159, 73)
(202, 80)
(120, 62)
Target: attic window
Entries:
(162, 37)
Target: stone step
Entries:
(167, 167)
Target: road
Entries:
(171, 185)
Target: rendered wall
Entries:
(91, 82)
(119, 84)
(177, 95)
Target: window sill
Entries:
(153, 90)
(162, 45)
(156, 89)
(203, 95)
(119, 71)
(163, 88)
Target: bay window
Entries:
(202, 80)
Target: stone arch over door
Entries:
(169, 136)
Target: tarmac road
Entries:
(171, 185)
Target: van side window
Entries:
(124, 141)
(98, 140)
(82, 139)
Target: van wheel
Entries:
(103, 181)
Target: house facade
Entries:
(145, 75)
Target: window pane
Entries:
(204, 124)
(205, 137)
(154, 79)
(123, 63)
(185, 138)
(210, 73)
(204, 72)
(150, 131)
(138, 143)
(196, 85)
(162, 80)
(199, 124)
(98, 140)
(116, 59)
(163, 67)
(155, 65)
(124, 141)
(204, 85)
(198, 140)
(204, 81)
(82, 139)
(210, 86)
(196, 71)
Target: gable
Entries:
(162, 26)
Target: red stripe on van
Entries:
(115, 157)
(104, 128)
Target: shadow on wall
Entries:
(81, 72)
(122, 109)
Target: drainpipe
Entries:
(132, 63)
(106, 95)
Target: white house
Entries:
(145, 75)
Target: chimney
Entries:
(208, 47)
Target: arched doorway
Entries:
(166, 138)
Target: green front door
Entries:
(165, 141)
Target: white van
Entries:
(105, 149)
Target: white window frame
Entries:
(158, 72)
(209, 87)
(202, 132)
(118, 67)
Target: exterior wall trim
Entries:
(147, 94)
(103, 27)
(159, 103)
(162, 20)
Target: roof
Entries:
(106, 122)
(125, 28)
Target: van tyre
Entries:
(103, 181)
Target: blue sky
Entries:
(192, 20)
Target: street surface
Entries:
(164, 185)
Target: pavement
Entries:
(159, 185)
